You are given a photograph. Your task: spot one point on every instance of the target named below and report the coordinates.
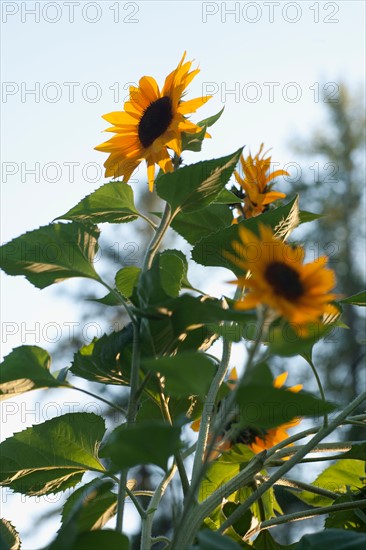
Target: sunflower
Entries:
(152, 122)
(280, 280)
(256, 183)
(256, 439)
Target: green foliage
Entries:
(146, 443)
(211, 250)
(356, 300)
(113, 203)
(184, 374)
(90, 507)
(26, 368)
(52, 456)
(195, 186)
(161, 357)
(9, 537)
(337, 539)
(52, 253)
(106, 360)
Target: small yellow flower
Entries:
(152, 122)
(279, 278)
(256, 183)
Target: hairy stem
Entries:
(292, 462)
(306, 515)
(158, 494)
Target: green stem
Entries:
(306, 515)
(120, 299)
(208, 411)
(292, 461)
(185, 531)
(157, 238)
(130, 417)
(109, 403)
(158, 494)
(150, 222)
(302, 486)
(318, 381)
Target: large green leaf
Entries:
(193, 187)
(52, 456)
(106, 360)
(336, 539)
(185, 374)
(195, 225)
(89, 507)
(263, 406)
(26, 368)
(356, 300)
(113, 203)
(52, 253)
(9, 537)
(210, 250)
(150, 442)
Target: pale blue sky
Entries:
(291, 48)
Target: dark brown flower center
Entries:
(284, 280)
(155, 120)
(247, 436)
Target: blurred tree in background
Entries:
(334, 186)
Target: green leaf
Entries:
(356, 300)
(195, 225)
(150, 442)
(337, 477)
(26, 368)
(226, 197)
(209, 540)
(265, 541)
(306, 217)
(193, 187)
(91, 540)
(113, 203)
(107, 538)
(209, 251)
(106, 360)
(347, 519)
(9, 537)
(108, 300)
(172, 269)
(288, 339)
(185, 374)
(126, 280)
(52, 456)
(90, 507)
(266, 407)
(52, 253)
(193, 142)
(210, 121)
(241, 525)
(336, 539)
(223, 469)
